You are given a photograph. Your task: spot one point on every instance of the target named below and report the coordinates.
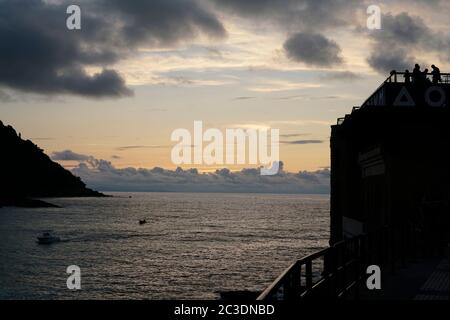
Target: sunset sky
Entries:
(136, 71)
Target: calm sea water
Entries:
(193, 246)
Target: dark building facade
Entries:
(390, 161)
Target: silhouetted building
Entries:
(390, 161)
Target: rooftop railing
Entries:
(400, 77)
(337, 271)
(426, 79)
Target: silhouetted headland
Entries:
(26, 173)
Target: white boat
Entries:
(47, 238)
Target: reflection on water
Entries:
(192, 247)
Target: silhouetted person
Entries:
(393, 74)
(436, 74)
(424, 76)
(407, 76)
(416, 74)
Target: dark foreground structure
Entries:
(390, 162)
(390, 192)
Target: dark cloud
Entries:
(293, 135)
(303, 17)
(68, 155)
(162, 22)
(340, 75)
(244, 98)
(403, 29)
(39, 54)
(302, 142)
(291, 97)
(313, 48)
(401, 39)
(102, 175)
(306, 16)
(294, 14)
(392, 59)
(105, 83)
(400, 34)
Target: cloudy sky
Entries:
(137, 70)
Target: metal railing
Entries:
(398, 76)
(336, 271)
(394, 78)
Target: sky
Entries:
(110, 95)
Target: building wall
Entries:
(389, 166)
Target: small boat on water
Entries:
(47, 238)
(142, 221)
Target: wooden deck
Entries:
(411, 268)
(437, 286)
(425, 279)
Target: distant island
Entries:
(26, 173)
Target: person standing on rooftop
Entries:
(416, 74)
(407, 76)
(436, 74)
(424, 76)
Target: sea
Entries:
(193, 246)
